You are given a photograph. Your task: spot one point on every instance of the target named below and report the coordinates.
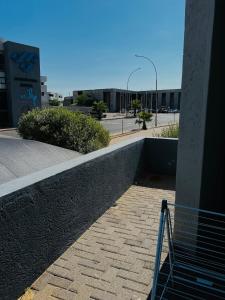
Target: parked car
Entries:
(163, 110)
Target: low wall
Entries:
(42, 214)
(45, 212)
(160, 155)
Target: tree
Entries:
(54, 102)
(99, 107)
(85, 99)
(143, 118)
(136, 104)
(81, 99)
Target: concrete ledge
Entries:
(43, 213)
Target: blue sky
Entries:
(88, 44)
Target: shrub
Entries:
(143, 118)
(99, 107)
(85, 99)
(136, 104)
(172, 131)
(54, 102)
(60, 127)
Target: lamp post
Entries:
(128, 80)
(156, 82)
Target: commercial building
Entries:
(55, 96)
(44, 93)
(20, 87)
(121, 100)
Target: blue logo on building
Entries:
(28, 95)
(25, 60)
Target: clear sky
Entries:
(88, 44)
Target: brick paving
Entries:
(114, 258)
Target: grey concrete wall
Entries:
(160, 156)
(43, 213)
(196, 67)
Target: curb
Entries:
(7, 129)
(137, 130)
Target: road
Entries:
(115, 126)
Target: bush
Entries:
(60, 127)
(170, 132)
(143, 118)
(54, 102)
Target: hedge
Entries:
(60, 127)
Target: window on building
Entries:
(2, 80)
(2, 61)
(179, 96)
(42, 93)
(163, 103)
(42, 83)
(171, 100)
(3, 100)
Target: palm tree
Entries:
(143, 118)
(99, 107)
(136, 104)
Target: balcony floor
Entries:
(114, 258)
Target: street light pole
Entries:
(128, 80)
(156, 88)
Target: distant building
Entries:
(68, 100)
(55, 96)
(20, 87)
(121, 100)
(44, 93)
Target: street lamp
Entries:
(156, 92)
(128, 80)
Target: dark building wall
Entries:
(161, 156)
(201, 159)
(213, 171)
(22, 66)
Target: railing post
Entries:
(159, 248)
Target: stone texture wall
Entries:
(44, 213)
(160, 156)
(40, 220)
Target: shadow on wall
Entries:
(44, 213)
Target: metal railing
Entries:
(118, 125)
(194, 253)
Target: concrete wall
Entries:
(41, 215)
(196, 67)
(161, 156)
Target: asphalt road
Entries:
(115, 126)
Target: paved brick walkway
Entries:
(114, 258)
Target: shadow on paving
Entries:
(163, 182)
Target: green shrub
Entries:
(143, 118)
(54, 102)
(60, 127)
(172, 131)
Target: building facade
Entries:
(55, 96)
(44, 92)
(20, 87)
(119, 100)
